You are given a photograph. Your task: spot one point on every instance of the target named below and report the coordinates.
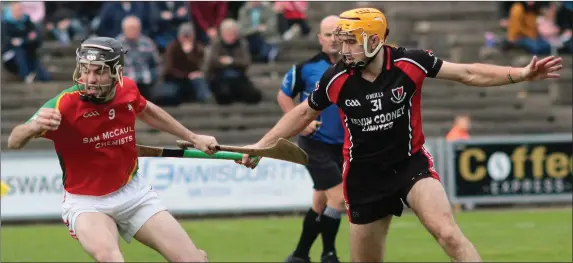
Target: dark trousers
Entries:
(23, 63)
(232, 85)
(259, 48)
(284, 24)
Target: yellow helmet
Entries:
(363, 23)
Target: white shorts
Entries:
(130, 207)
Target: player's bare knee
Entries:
(107, 255)
(449, 236)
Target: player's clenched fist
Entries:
(205, 143)
(250, 161)
(47, 119)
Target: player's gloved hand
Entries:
(311, 128)
(47, 120)
(248, 160)
(205, 143)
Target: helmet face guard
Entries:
(108, 59)
(360, 25)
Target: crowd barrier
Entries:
(487, 170)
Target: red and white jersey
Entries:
(95, 143)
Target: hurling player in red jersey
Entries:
(92, 125)
(378, 90)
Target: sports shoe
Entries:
(329, 257)
(293, 259)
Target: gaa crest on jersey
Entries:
(398, 95)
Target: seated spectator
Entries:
(258, 24)
(64, 26)
(171, 15)
(547, 28)
(564, 20)
(142, 58)
(20, 43)
(460, 129)
(228, 61)
(36, 11)
(207, 17)
(292, 13)
(113, 13)
(504, 8)
(522, 29)
(88, 14)
(233, 8)
(183, 75)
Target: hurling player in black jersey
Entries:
(378, 91)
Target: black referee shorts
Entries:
(325, 162)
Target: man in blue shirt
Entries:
(322, 140)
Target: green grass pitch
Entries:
(505, 235)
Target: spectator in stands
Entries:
(20, 43)
(522, 28)
(142, 59)
(292, 13)
(564, 21)
(460, 129)
(183, 73)
(171, 15)
(233, 8)
(113, 13)
(258, 23)
(36, 11)
(207, 17)
(64, 26)
(504, 8)
(228, 61)
(88, 13)
(547, 27)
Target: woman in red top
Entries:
(290, 13)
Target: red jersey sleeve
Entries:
(140, 101)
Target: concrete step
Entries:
(437, 11)
(445, 26)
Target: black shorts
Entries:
(324, 162)
(373, 192)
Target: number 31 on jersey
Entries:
(376, 104)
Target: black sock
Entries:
(310, 231)
(330, 223)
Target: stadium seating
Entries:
(453, 30)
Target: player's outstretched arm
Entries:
(158, 118)
(47, 119)
(292, 123)
(487, 75)
(298, 118)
